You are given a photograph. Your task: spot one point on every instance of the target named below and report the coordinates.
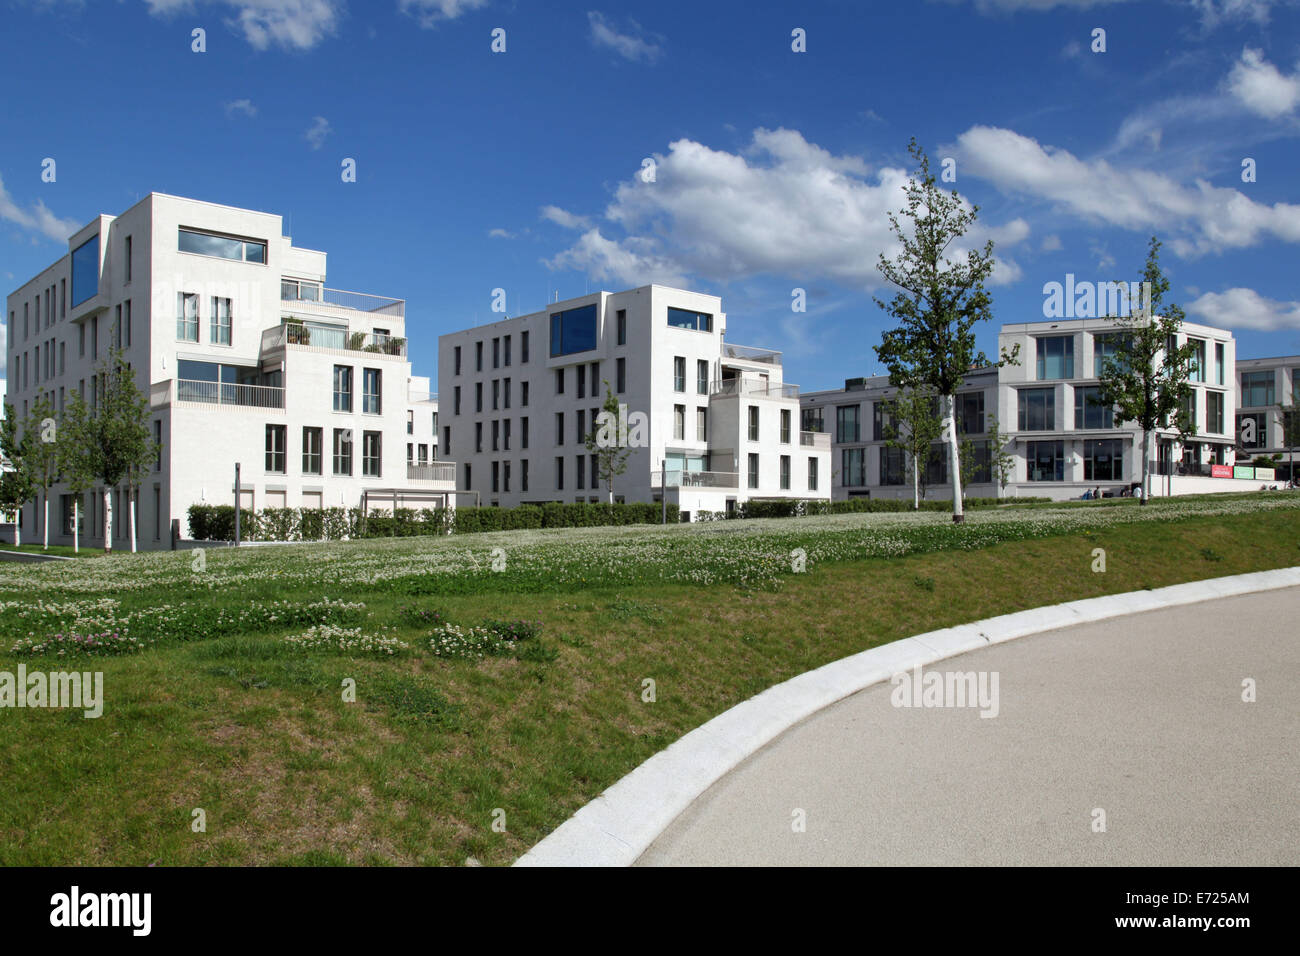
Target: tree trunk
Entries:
(1146, 467)
(916, 483)
(45, 521)
(130, 503)
(108, 520)
(950, 426)
(76, 524)
(18, 527)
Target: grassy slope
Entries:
(288, 774)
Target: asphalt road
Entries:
(1140, 718)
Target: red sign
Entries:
(1220, 471)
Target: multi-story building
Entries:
(709, 424)
(1268, 398)
(247, 357)
(859, 420)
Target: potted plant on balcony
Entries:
(396, 345)
(357, 341)
(296, 333)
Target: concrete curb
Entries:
(619, 825)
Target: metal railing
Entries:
(749, 354)
(697, 479)
(752, 386)
(814, 440)
(357, 301)
(433, 471)
(316, 336)
(224, 393)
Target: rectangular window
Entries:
(505, 389)
(622, 326)
(126, 260)
(1196, 367)
(970, 413)
(936, 464)
(343, 451)
(478, 437)
(1103, 460)
(469, 475)
(507, 365)
(187, 317)
(446, 442)
(579, 420)
(311, 451)
(812, 474)
(785, 426)
(559, 473)
(595, 377)
(523, 394)
(686, 319)
(496, 434)
(496, 355)
(1189, 410)
(580, 471)
(595, 472)
(456, 360)
(126, 312)
(1214, 404)
(496, 476)
(496, 394)
(478, 356)
(753, 422)
(701, 377)
(523, 474)
(620, 375)
(371, 454)
(1037, 409)
(785, 472)
(1257, 389)
(1105, 348)
(582, 382)
(1045, 460)
(893, 465)
(847, 426)
(478, 397)
(882, 420)
(157, 440)
(753, 471)
(701, 424)
(275, 458)
(573, 330)
(523, 432)
(85, 272)
(343, 388)
(679, 422)
(410, 422)
(523, 348)
(1055, 357)
(1220, 362)
(679, 373)
(1089, 412)
(455, 400)
(559, 428)
(117, 326)
(505, 434)
(559, 381)
(222, 247)
(220, 324)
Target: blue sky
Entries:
(773, 169)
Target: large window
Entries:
(1214, 404)
(275, 449)
(371, 454)
(1089, 411)
(1037, 409)
(1045, 460)
(882, 420)
(343, 389)
(983, 473)
(371, 383)
(812, 474)
(686, 319)
(1257, 389)
(936, 464)
(679, 422)
(701, 377)
(573, 330)
(679, 374)
(1055, 357)
(810, 419)
(785, 426)
(220, 325)
(1197, 370)
(785, 472)
(701, 424)
(622, 326)
(1105, 347)
(187, 316)
(1220, 361)
(85, 270)
(893, 465)
(970, 412)
(223, 247)
(343, 451)
(1103, 460)
(848, 428)
(311, 451)
(753, 471)
(753, 423)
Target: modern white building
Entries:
(247, 357)
(719, 425)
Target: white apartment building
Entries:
(247, 357)
(1268, 393)
(719, 423)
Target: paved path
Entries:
(1141, 716)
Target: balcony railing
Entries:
(815, 440)
(321, 337)
(223, 393)
(416, 398)
(306, 294)
(697, 479)
(752, 386)
(444, 471)
(748, 354)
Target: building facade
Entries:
(247, 357)
(1268, 402)
(708, 424)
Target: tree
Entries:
(941, 296)
(17, 485)
(110, 440)
(608, 441)
(74, 462)
(1146, 378)
(1001, 464)
(1288, 418)
(43, 457)
(914, 426)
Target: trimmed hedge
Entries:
(794, 507)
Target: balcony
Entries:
(747, 354)
(442, 471)
(302, 335)
(421, 398)
(816, 440)
(192, 391)
(308, 298)
(743, 385)
(696, 479)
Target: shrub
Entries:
(278, 524)
(311, 524)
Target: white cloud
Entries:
(1214, 11)
(634, 44)
(1205, 218)
(37, 218)
(293, 24)
(1014, 6)
(783, 207)
(562, 217)
(244, 107)
(431, 12)
(1051, 243)
(1245, 309)
(1261, 87)
(501, 234)
(316, 133)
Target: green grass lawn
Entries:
(217, 710)
(59, 550)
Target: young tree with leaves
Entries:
(940, 299)
(1288, 419)
(914, 427)
(43, 457)
(1002, 463)
(607, 442)
(17, 485)
(1147, 378)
